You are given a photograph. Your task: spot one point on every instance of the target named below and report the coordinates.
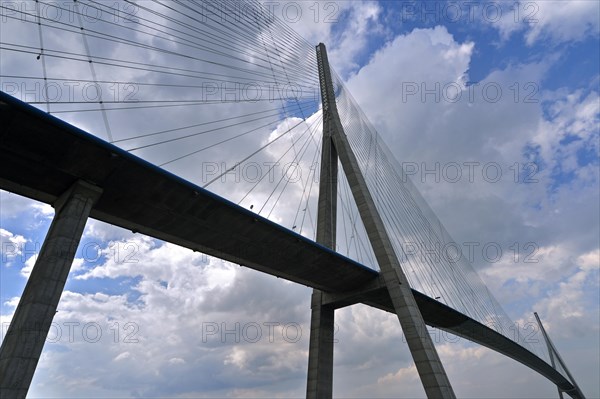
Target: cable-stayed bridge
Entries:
(217, 127)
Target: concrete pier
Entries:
(320, 355)
(320, 358)
(428, 364)
(24, 340)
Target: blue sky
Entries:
(543, 55)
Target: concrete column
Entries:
(320, 353)
(576, 391)
(23, 343)
(428, 364)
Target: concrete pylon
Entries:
(553, 352)
(320, 355)
(24, 340)
(425, 356)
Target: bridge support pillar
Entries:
(24, 340)
(428, 364)
(320, 354)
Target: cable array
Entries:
(175, 54)
(430, 258)
(222, 93)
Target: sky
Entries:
(493, 110)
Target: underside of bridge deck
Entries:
(41, 157)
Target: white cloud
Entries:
(13, 205)
(556, 21)
(363, 22)
(12, 302)
(590, 260)
(402, 376)
(558, 216)
(78, 264)
(11, 246)
(564, 21)
(177, 360)
(122, 356)
(28, 267)
(570, 309)
(344, 26)
(160, 329)
(104, 232)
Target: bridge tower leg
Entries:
(24, 340)
(320, 354)
(428, 364)
(553, 352)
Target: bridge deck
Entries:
(42, 156)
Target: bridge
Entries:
(50, 160)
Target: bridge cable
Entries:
(41, 55)
(93, 70)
